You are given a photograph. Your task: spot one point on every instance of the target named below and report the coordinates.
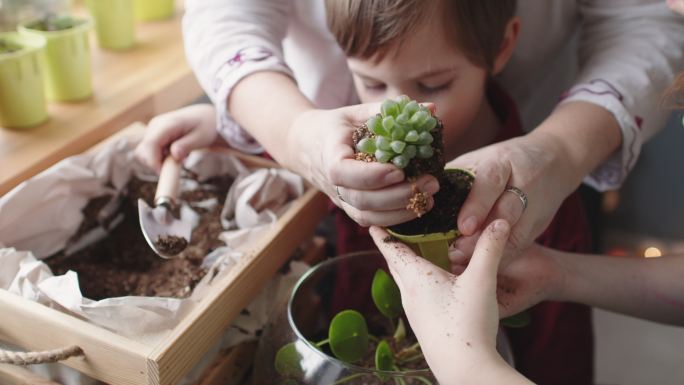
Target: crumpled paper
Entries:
(39, 216)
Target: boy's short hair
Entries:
(364, 28)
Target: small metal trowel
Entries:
(167, 235)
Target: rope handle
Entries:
(46, 356)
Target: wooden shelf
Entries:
(130, 86)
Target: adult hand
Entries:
(454, 318)
(547, 165)
(371, 193)
(178, 132)
(535, 275)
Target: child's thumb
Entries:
(484, 264)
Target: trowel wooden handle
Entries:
(169, 180)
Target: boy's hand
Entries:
(370, 193)
(178, 133)
(454, 316)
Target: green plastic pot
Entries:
(22, 98)
(114, 24)
(66, 61)
(151, 10)
(433, 246)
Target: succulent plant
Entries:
(399, 133)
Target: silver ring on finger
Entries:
(519, 193)
(339, 196)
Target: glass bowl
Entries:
(287, 352)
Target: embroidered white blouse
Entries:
(618, 54)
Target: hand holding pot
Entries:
(454, 316)
(371, 193)
(524, 180)
(178, 132)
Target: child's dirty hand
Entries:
(453, 316)
(178, 133)
(371, 193)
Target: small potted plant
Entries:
(66, 59)
(153, 10)
(114, 24)
(407, 135)
(22, 99)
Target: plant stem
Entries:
(424, 380)
(411, 349)
(324, 342)
(412, 358)
(400, 331)
(398, 380)
(348, 378)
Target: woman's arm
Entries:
(649, 288)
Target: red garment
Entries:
(556, 348)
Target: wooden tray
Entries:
(118, 360)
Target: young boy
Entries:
(445, 52)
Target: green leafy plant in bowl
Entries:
(350, 340)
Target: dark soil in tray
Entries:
(123, 263)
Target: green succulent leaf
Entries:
(374, 124)
(419, 118)
(384, 358)
(425, 151)
(388, 124)
(382, 143)
(425, 138)
(399, 133)
(410, 151)
(411, 107)
(389, 108)
(287, 361)
(385, 292)
(383, 156)
(411, 136)
(403, 118)
(397, 146)
(429, 124)
(366, 145)
(401, 161)
(348, 334)
(403, 100)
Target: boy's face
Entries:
(428, 68)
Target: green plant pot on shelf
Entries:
(114, 23)
(22, 97)
(66, 58)
(152, 10)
